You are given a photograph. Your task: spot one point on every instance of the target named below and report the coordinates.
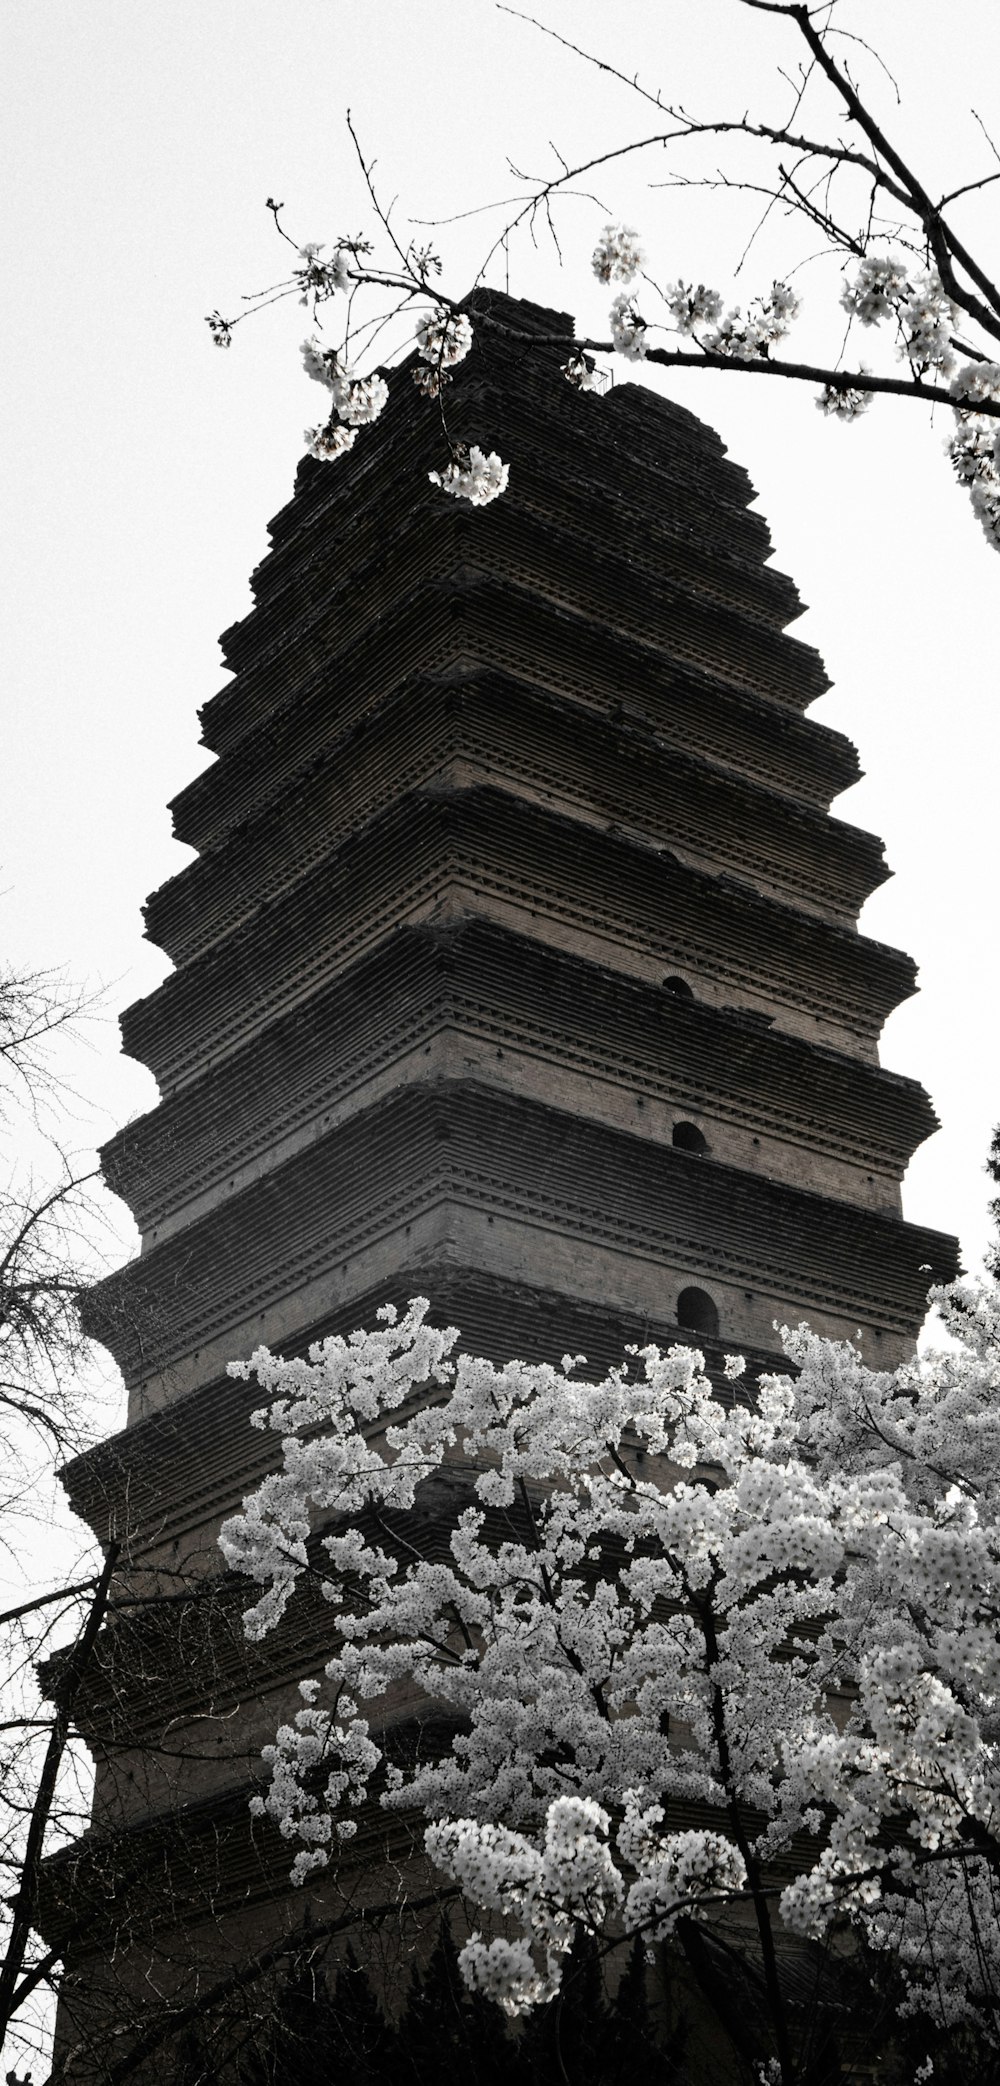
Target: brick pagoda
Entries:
(518, 967)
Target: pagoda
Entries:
(518, 967)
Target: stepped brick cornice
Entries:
(485, 729)
(456, 625)
(513, 1009)
(324, 585)
(442, 1151)
(336, 619)
(552, 878)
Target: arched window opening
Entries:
(688, 1138)
(696, 1313)
(679, 987)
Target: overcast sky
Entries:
(140, 467)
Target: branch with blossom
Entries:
(705, 1659)
(905, 270)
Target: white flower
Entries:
(473, 476)
(843, 403)
(784, 305)
(359, 400)
(304, 1864)
(336, 269)
(628, 330)
(881, 283)
(330, 441)
(319, 279)
(356, 400)
(975, 381)
(768, 320)
(443, 337)
(884, 288)
(692, 306)
(618, 255)
(319, 362)
(974, 448)
(846, 1554)
(926, 317)
(506, 1971)
(582, 372)
(687, 1867)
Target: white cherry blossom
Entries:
(880, 285)
(320, 362)
(784, 1612)
(691, 306)
(582, 372)
(843, 402)
(443, 337)
(318, 279)
(618, 255)
(927, 319)
(356, 400)
(359, 400)
(329, 442)
(767, 321)
(471, 475)
(628, 329)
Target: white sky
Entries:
(140, 466)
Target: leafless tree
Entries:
(50, 1248)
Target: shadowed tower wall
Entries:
(518, 965)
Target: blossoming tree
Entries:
(722, 1673)
(906, 273)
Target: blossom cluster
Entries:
(885, 288)
(329, 441)
(443, 339)
(692, 306)
(751, 338)
(697, 311)
(581, 371)
(782, 1611)
(473, 476)
(317, 280)
(355, 401)
(628, 329)
(974, 448)
(843, 401)
(618, 255)
(879, 288)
